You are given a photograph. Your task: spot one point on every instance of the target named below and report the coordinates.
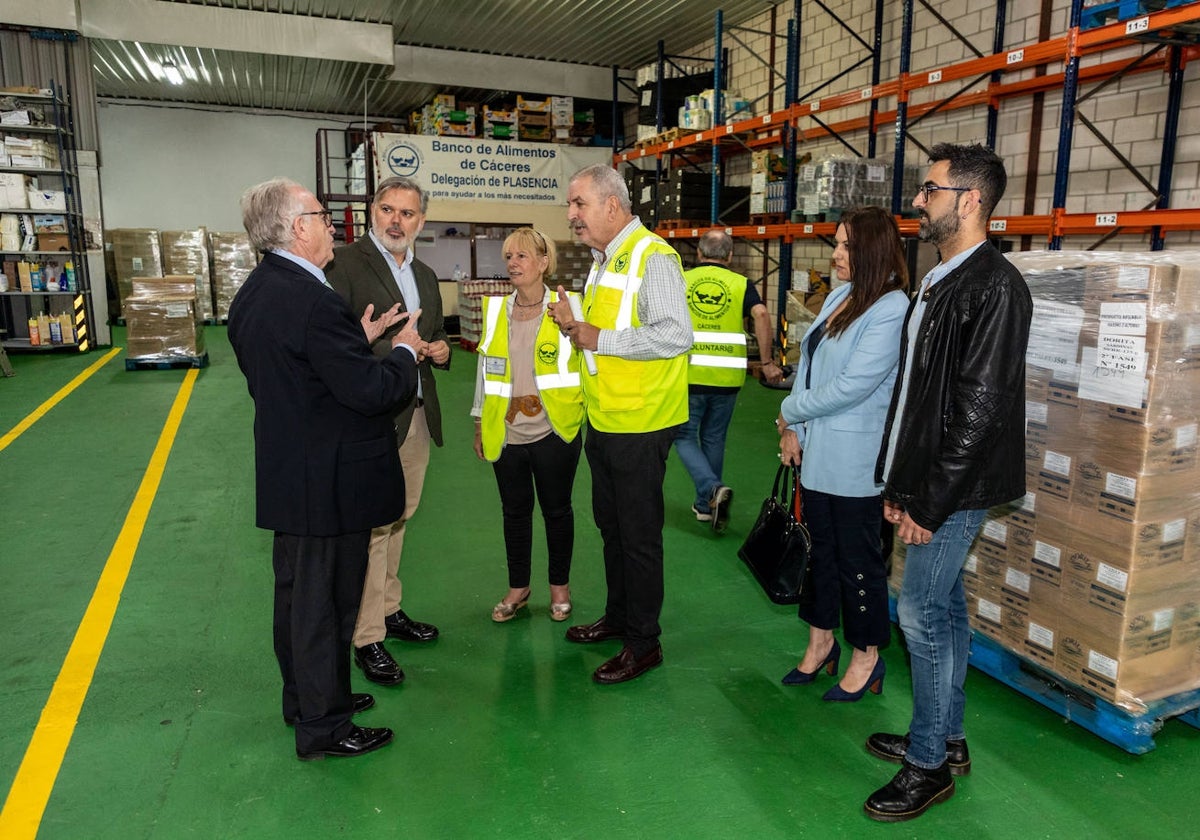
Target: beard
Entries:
(395, 244)
(941, 229)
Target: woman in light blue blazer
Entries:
(834, 418)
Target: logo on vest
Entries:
(547, 353)
(708, 299)
(621, 263)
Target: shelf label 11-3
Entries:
(1106, 220)
(1139, 25)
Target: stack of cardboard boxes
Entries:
(533, 120)
(163, 320)
(217, 262)
(1095, 574)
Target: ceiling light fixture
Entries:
(172, 72)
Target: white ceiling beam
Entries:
(187, 25)
(50, 14)
(455, 68)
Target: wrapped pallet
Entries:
(186, 252)
(1095, 574)
(233, 259)
(136, 252)
(163, 319)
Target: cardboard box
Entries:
(53, 242)
(162, 320)
(136, 252)
(233, 258)
(14, 190)
(186, 253)
(47, 200)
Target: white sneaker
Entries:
(701, 516)
(721, 499)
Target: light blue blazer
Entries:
(839, 420)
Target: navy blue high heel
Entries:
(798, 677)
(874, 683)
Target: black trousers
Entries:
(547, 467)
(318, 586)
(848, 573)
(627, 503)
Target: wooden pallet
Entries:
(166, 362)
(683, 224)
(768, 218)
(1103, 13)
(662, 137)
(1133, 733)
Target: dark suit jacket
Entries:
(324, 442)
(361, 275)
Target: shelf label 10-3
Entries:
(998, 225)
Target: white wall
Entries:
(176, 169)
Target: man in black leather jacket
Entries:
(953, 446)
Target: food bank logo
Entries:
(403, 159)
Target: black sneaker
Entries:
(719, 504)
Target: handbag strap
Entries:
(797, 505)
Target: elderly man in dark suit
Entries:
(380, 271)
(325, 454)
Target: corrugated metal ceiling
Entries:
(595, 32)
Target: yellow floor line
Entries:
(37, 413)
(30, 791)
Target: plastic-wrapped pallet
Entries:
(830, 185)
(136, 252)
(163, 319)
(186, 252)
(233, 258)
(1095, 575)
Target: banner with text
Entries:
(478, 169)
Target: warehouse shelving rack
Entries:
(1170, 31)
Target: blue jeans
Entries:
(701, 442)
(933, 616)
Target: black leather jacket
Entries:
(962, 437)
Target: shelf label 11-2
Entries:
(1106, 219)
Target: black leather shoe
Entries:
(894, 747)
(910, 793)
(625, 666)
(360, 741)
(359, 703)
(377, 664)
(400, 626)
(598, 631)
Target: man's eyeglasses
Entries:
(326, 215)
(928, 188)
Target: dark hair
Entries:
(977, 167)
(876, 262)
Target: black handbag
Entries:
(777, 548)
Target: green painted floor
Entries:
(499, 729)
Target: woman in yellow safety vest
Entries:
(528, 411)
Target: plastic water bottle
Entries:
(458, 275)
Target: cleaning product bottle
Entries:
(69, 274)
(35, 339)
(35, 277)
(56, 334)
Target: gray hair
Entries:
(608, 182)
(267, 212)
(716, 245)
(399, 182)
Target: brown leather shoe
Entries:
(597, 631)
(625, 666)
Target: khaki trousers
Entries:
(381, 587)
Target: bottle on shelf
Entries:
(69, 275)
(35, 338)
(458, 274)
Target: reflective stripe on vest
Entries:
(558, 386)
(630, 395)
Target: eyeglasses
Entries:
(926, 189)
(326, 215)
